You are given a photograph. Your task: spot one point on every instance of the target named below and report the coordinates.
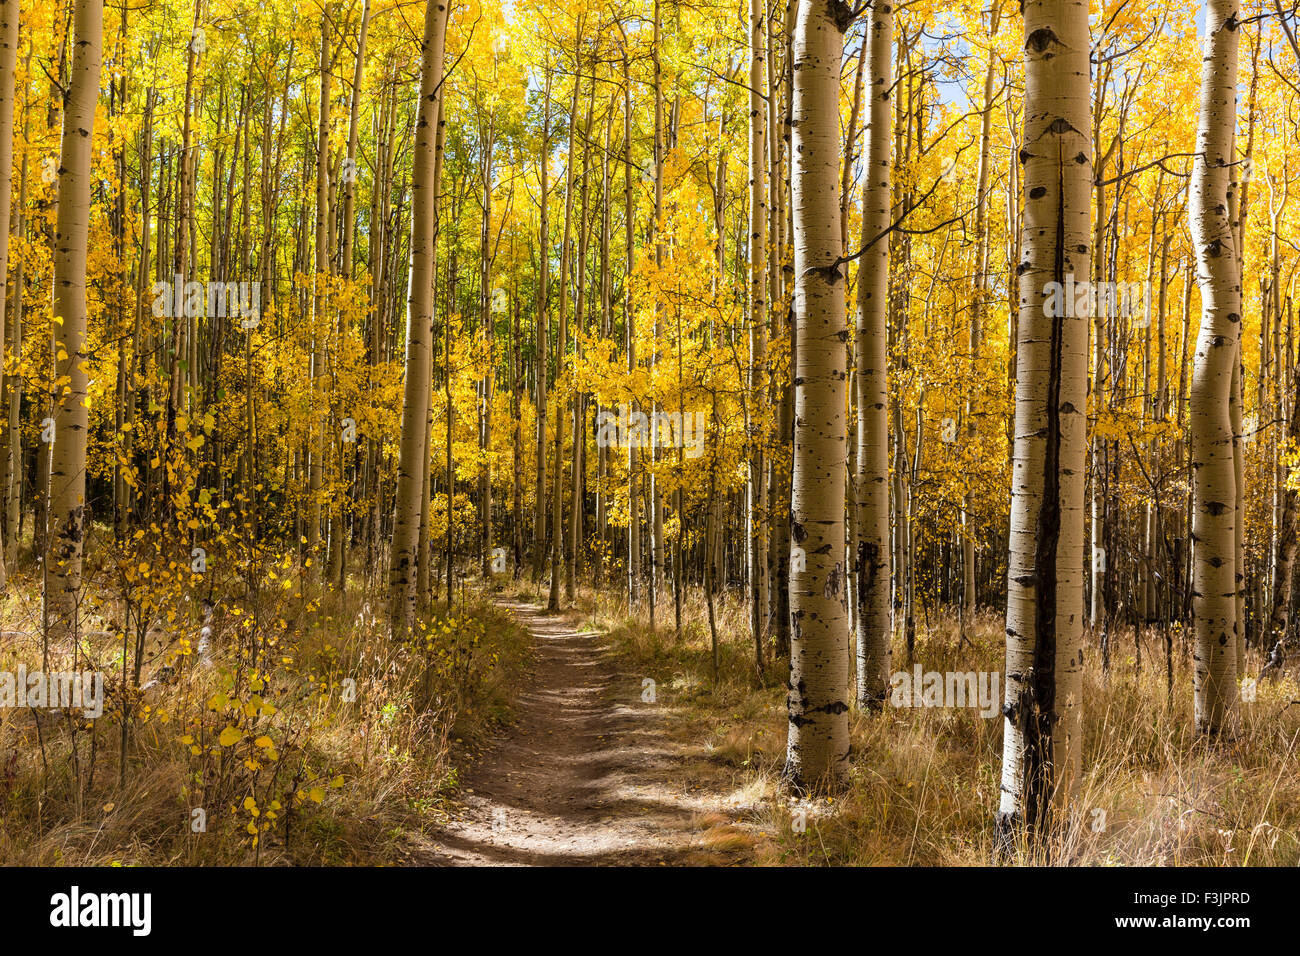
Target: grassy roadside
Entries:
(270, 729)
(925, 781)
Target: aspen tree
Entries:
(339, 542)
(1214, 474)
(542, 322)
(782, 327)
(977, 306)
(354, 113)
(818, 741)
(557, 487)
(851, 139)
(8, 63)
(579, 399)
(606, 328)
(655, 506)
(182, 334)
(871, 482)
(517, 432)
(629, 319)
(413, 452)
(757, 485)
(1041, 742)
(68, 522)
(487, 329)
(14, 384)
(321, 266)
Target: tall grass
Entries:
(346, 740)
(924, 783)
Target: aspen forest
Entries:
(649, 432)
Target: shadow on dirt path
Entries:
(585, 776)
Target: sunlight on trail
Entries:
(585, 777)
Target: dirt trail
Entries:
(586, 776)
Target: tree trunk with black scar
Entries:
(8, 63)
(757, 483)
(1214, 474)
(818, 742)
(872, 374)
(68, 458)
(413, 451)
(1042, 730)
(1286, 547)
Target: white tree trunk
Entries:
(413, 452)
(68, 460)
(8, 61)
(757, 488)
(320, 322)
(1042, 731)
(977, 310)
(872, 373)
(1214, 479)
(818, 742)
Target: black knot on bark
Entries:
(1041, 39)
(830, 273)
(842, 14)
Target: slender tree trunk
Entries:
(872, 374)
(629, 320)
(782, 325)
(68, 521)
(757, 485)
(321, 266)
(977, 312)
(8, 64)
(542, 321)
(655, 503)
(413, 452)
(13, 490)
(1214, 512)
(1286, 548)
(818, 742)
(579, 399)
(1042, 734)
(488, 331)
(557, 487)
(517, 436)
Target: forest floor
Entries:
(589, 773)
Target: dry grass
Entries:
(925, 781)
(923, 788)
(343, 781)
